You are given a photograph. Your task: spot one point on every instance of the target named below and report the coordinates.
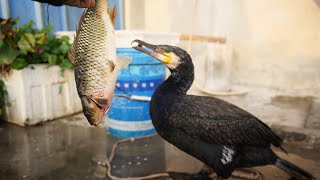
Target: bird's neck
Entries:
(177, 83)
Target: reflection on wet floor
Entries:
(60, 150)
(139, 158)
(51, 151)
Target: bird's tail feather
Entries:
(294, 171)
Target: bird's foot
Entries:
(186, 176)
(250, 174)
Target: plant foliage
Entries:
(24, 45)
(3, 98)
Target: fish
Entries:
(96, 66)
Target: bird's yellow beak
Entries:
(152, 50)
(167, 58)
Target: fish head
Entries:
(95, 108)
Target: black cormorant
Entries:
(218, 133)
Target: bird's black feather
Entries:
(215, 121)
(218, 133)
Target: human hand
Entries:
(80, 3)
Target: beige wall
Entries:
(275, 42)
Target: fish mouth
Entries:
(150, 49)
(95, 109)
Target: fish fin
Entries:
(112, 13)
(112, 65)
(72, 51)
(123, 62)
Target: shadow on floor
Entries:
(60, 150)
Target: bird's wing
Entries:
(219, 122)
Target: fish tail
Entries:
(101, 6)
(101, 3)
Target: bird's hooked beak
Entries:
(152, 50)
(94, 109)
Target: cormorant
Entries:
(218, 133)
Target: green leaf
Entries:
(47, 29)
(65, 64)
(8, 55)
(52, 59)
(16, 20)
(23, 52)
(60, 88)
(19, 63)
(65, 38)
(64, 48)
(26, 27)
(27, 42)
(40, 38)
(1, 43)
(30, 38)
(55, 51)
(62, 72)
(8, 104)
(3, 97)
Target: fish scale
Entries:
(95, 50)
(94, 57)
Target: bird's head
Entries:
(175, 58)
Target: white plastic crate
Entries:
(40, 93)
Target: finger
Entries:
(81, 3)
(92, 3)
(87, 3)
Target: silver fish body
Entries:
(95, 63)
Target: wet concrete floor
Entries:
(64, 150)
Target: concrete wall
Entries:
(275, 43)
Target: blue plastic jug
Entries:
(130, 118)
